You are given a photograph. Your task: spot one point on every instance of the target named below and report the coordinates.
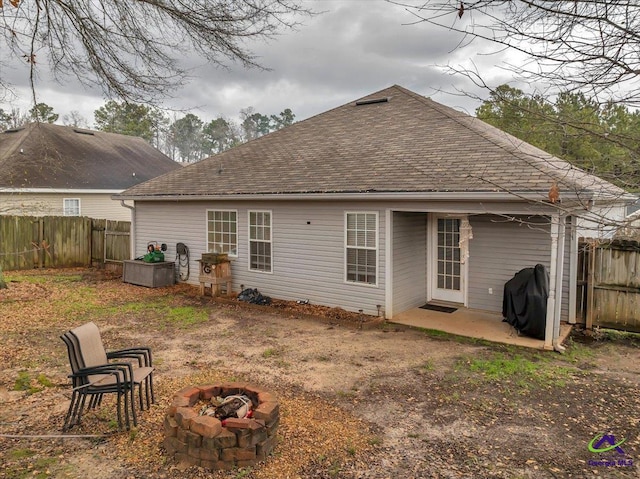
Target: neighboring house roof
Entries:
(392, 141)
(42, 155)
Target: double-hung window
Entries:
(361, 244)
(260, 241)
(71, 207)
(222, 232)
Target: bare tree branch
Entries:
(133, 49)
(587, 45)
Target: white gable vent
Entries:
(371, 101)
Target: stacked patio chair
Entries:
(95, 374)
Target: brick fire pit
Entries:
(203, 440)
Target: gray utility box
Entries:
(152, 275)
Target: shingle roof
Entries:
(42, 155)
(406, 143)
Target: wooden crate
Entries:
(217, 275)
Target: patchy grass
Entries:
(633, 339)
(269, 352)
(524, 372)
(27, 463)
(25, 382)
(21, 453)
(184, 316)
(426, 366)
(578, 353)
(436, 334)
(59, 278)
(18, 278)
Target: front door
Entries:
(448, 271)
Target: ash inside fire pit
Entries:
(221, 426)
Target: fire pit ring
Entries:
(205, 441)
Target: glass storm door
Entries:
(448, 271)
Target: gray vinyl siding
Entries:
(308, 251)
(409, 260)
(93, 205)
(307, 248)
(499, 249)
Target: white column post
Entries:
(559, 276)
(551, 301)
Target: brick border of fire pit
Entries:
(203, 441)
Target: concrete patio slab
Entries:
(473, 324)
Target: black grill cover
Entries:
(524, 305)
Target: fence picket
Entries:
(612, 284)
(28, 242)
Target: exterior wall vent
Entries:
(371, 101)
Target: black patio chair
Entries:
(134, 369)
(94, 382)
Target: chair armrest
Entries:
(142, 354)
(122, 372)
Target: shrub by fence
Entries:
(28, 242)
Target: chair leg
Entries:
(133, 404)
(68, 424)
(119, 408)
(77, 413)
(140, 387)
(147, 392)
(153, 399)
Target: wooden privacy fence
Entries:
(609, 284)
(28, 242)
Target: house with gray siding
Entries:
(380, 205)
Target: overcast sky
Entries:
(354, 48)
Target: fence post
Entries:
(40, 245)
(590, 284)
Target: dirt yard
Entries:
(358, 398)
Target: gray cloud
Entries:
(352, 49)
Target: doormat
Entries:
(437, 307)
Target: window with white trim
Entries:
(71, 207)
(260, 241)
(361, 243)
(222, 232)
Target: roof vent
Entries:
(14, 130)
(83, 132)
(371, 101)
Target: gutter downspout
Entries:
(549, 340)
(132, 236)
(559, 277)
